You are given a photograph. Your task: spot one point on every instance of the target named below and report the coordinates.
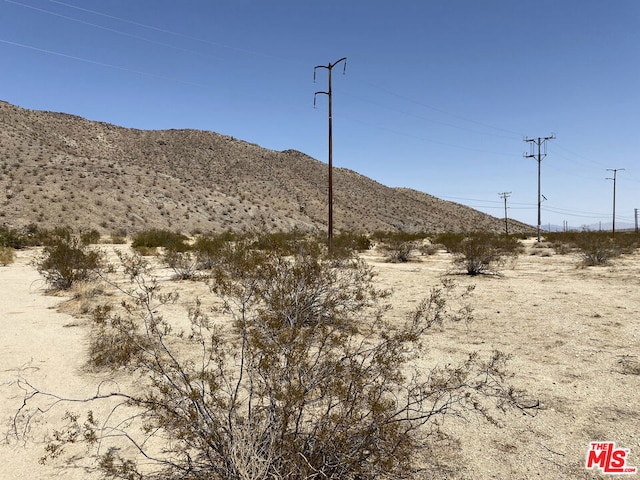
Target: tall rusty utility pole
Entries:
(329, 93)
(613, 225)
(539, 142)
(505, 195)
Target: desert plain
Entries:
(572, 334)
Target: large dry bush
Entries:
(481, 253)
(596, 248)
(298, 374)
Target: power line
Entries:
(252, 52)
(421, 117)
(163, 30)
(101, 64)
(411, 100)
(425, 139)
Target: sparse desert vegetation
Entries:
(292, 371)
(68, 259)
(275, 321)
(226, 342)
(64, 170)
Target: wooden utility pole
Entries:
(329, 93)
(615, 171)
(505, 195)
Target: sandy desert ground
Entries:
(573, 335)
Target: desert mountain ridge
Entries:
(60, 169)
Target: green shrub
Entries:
(388, 237)
(117, 239)
(67, 260)
(595, 248)
(30, 236)
(627, 242)
(355, 242)
(287, 243)
(90, 237)
(12, 238)
(449, 240)
(207, 249)
(155, 238)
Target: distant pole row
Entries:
(539, 142)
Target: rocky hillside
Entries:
(59, 169)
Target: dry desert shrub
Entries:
(398, 247)
(482, 253)
(397, 251)
(7, 255)
(90, 237)
(184, 264)
(66, 260)
(428, 248)
(594, 248)
(84, 296)
(297, 375)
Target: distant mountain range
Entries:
(59, 169)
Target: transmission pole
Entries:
(635, 213)
(615, 171)
(540, 141)
(329, 93)
(505, 195)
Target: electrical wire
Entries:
(101, 64)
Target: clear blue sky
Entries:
(437, 96)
